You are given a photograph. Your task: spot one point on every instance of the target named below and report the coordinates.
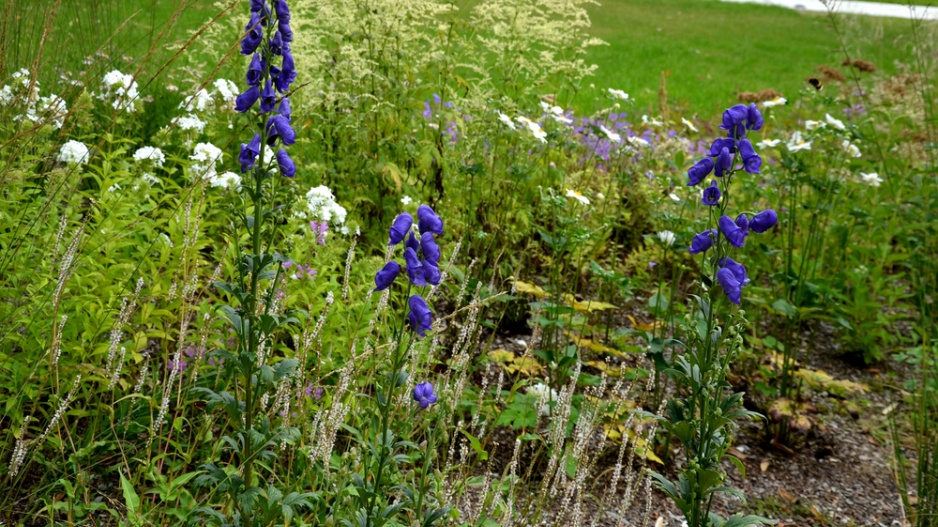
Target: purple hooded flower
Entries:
(287, 167)
(423, 394)
(431, 251)
(736, 268)
(431, 272)
(268, 98)
(751, 159)
(703, 241)
(249, 153)
(400, 228)
(253, 35)
(753, 117)
(246, 100)
(711, 194)
(420, 316)
(415, 270)
(428, 221)
(699, 171)
(279, 126)
(731, 286)
(724, 162)
(287, 73)
(386, 275)
(276, 44)
(734, 119)
(412, 243)
(255, 71)
(721, 143)
(742, 221)
(284, 108)
(763, 221)
(735, 235)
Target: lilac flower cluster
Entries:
(421, 257)
(274, 79)
(721, 159)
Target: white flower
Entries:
(150, 153)
(600, 195)
(321, 206)
(505, 119)
(637, 141)
(778, 101)
(74, 152)
(797, 143)
(121, 88)
(618, 94)
(652, 121)
(55, 108)
(562, 119)
(150, 178)
(115, 187)
(556, 110)
(667, 237)
(535, 128)
(227, 91)
(814, 125)
(198, 102)
(190, 122)
(674, 197)
(544, 394)
(166, 240)
(577, 196)
(872, 179)
(769, 143)
(690, 126)
(228, 179)
(406, 200)
(208, 154)
(852, 149)
(836, 123)
(614, 137)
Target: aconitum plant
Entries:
(702, 415)
(248, 497)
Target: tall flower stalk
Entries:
(267, 40)
(702, 416)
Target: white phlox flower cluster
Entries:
(74, 153)
(207, 156)
(120, 90)
(321, 206)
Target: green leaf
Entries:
(131, 500)
(782, 306)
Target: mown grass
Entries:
(710, 51)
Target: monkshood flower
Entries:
(711, 194)
(415, 270)
(730, 284)
(254, 35)
(412, 243)
(699, 171)
(423, 394)
(428, 221)
(279, 126)
(386, 275)
(255, 71)
(724, 162)
(736, 268)
(734, 234)
(763, 221)
(399, 229)
(431, 251)
(420, 316)
(751, 160)
(703, 241)
(246, 100)
(249, 153)
(286, 165)
(268, 98)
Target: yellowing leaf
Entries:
(794, 412)
(821, 379)
(531, 289)
(501, 355)
(528, 366)
(645, 327)
(595, 346)
(589, 305)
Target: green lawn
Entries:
(713, 49)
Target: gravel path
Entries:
(856, 8)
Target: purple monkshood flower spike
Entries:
(754, 119)
(386, 275)
(703, 241)
(268, 98)
(254, 34)
(246, 100)
(420, 316)
(737, 268)
(721, 143)
(730, 284)
(423, 394)
(279, 126)
(399, 229)
(711, 194)
(428, 221)
(735, 235)
(255, 71)
(415, 270)
(763, 221)
(751, 159)
(699, 171)
(431, 272)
